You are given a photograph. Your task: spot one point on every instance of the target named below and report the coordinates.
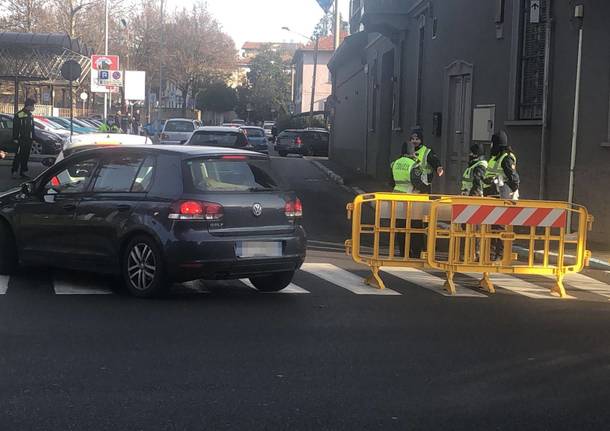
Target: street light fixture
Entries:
(315, 69)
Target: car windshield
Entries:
(215, 139)
(205, 175)
(255, 133)
(288, 134)
(179, 126)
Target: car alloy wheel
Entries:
(36, 148)
(141, 267)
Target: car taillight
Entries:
(298, 141)
(294, 208)
(196, 210)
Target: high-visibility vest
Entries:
(104, 127)
(401, 172)
(494, 167)
(422, 155)
(468, 178)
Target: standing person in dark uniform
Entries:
(118, 118)
(472, 180)
(428, 160)
(135, 122)
(23, 135)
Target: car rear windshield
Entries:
(179, 126)
(255, 133)
(288, 134)
(215, 139)
(230, 175)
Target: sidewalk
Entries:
(359, 183)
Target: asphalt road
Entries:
(222, 356)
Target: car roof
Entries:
(181, 119)
(217, 129)
(187, 151)
(252, 127)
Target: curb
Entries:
(329, 173)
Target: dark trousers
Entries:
(417, 243)
(22, 156)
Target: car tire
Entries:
(283, 153)
(8, 250)
(143, 268)
(273, 282)
(36, 148)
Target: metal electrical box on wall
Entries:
(483, 122)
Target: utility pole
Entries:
(105, 53)
(337, 25)
(313, 80)
(161, 65)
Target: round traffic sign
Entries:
(71, 70)
(84, 96)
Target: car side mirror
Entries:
(48, 161)
(27, 189)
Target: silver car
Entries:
(177, 131)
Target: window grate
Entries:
(532, 60)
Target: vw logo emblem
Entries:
(257, 210)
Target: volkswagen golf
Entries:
(155, 215)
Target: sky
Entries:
(262, 20)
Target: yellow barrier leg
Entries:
(486, 283)
(450, 284)
(375, 279)
(559, 288)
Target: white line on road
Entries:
(344, 279)
(291, 288)
(4, 279)
(430, 282)
(67, 287)
(582, 282)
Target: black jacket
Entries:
(23, 127)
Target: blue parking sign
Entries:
(104, 75)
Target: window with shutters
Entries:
(532, 59)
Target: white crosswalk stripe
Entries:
(4, 279)
(582, 282)
(66, 286)
(520, 286)
(430, 281)
(342, 278)
(291, 288)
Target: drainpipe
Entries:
(366, 130)
(578, 14)
(546, 100)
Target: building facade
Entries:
(464, 69)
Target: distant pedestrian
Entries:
(472, 180)
(135, 122)
(23, 136)
(274, 133)
(118, 118)
(429, 161)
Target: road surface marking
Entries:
(430, 282)
(588, 284)
(4, 283)
(291, 288)
(67, 287)
(344, 279)
(519, 286)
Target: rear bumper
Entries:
(293, 149)
(199, 255)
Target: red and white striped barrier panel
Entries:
(490, 215)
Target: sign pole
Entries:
(106, 53)
(71, 110)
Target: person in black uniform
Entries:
(23, 135)
(429, 161)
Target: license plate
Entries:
(258, 249)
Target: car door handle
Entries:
(69, 207)
(124, 207)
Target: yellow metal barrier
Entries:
(465, 235)
(381, 222)
(481, 233)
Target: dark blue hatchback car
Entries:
(157, 215)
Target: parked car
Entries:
(228, 137)
(50, 127)
(46, 142)
(307, 142)
(66, 125)
(155, 215)
(178, 130)
(96, 140)
(256, 138)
